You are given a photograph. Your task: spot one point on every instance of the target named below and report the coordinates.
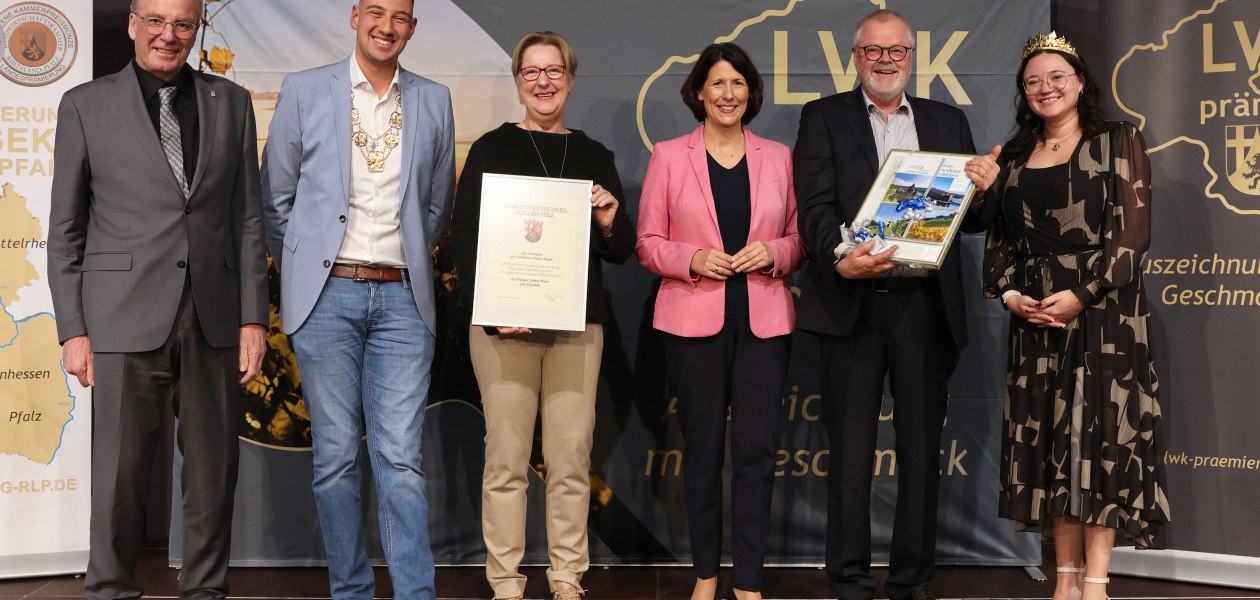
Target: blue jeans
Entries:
(365, 356)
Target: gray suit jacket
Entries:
(306, 182)
(119, 228)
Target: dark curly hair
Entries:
(1029, 127)
(739, 59)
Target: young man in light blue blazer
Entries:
(358, 176)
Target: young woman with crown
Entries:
(1081, 451)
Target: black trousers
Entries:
(738, 371)
(127, 402)
(902, 335)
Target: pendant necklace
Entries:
(1054, 144)
(563, 158)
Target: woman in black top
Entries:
(520, 371)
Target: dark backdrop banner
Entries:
(633, 58)
(1187, 74)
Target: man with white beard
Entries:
(875, 319)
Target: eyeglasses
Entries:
(895, 53)
(155, 26)
(531, 73)
(1056, 79)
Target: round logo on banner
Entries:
(39, 44)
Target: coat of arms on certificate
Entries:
(526, 279)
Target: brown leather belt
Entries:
(368, 273)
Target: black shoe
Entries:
(923, 591)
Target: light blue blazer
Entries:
(306, 182)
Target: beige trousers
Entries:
(519, 375)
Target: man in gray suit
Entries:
(158, 275)
(357, 183)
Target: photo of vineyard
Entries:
(931, 230)
(918, 208)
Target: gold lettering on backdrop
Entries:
(666, 457)
(844, 79)
(27, 140)
(1241, 105)
(806, 409)
(1250, 48)
(672, 409)
(27, 114)
(781, 93)
(880, 456)
(803, 463)
(1215, 462)
(1186, 291)
(1202, 265)
(38, 486)
(927, 68)
(812, 463)
(1235, 106)
(954, 460)
(16, 140)
(1209, 61)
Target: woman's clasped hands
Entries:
(1054, 311)
(718, 265)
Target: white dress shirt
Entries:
(373, 228)
(893, 131)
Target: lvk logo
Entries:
(803, 52)
(1212, 56)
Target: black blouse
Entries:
(732, 200)
(1044, 191)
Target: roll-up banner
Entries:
(1188, 75)
(633, 58)
(45, 416)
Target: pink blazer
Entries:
(677, 218)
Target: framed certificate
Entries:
(917, 203)
(533, 248)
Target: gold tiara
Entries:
(1048, 42)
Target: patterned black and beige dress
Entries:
(1081, 415)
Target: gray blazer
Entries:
(121, 236)
(306, 182)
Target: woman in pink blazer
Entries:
(717, 221)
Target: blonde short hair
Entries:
(549, 38)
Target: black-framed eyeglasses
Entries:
(895, 53)
(553, 72)
(1056, 79)
(155, 26)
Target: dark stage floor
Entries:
(617, 583)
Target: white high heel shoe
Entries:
(1098, 580)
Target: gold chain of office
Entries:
(376, 148)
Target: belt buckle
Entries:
(354, 274)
